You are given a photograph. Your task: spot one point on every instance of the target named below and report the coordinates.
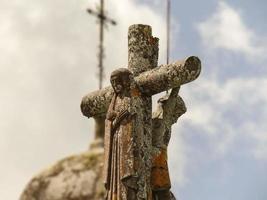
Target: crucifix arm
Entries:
(169, 76)
(151, 82)
(175, 91)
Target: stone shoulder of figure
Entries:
(172, 106)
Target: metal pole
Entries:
(168, 20)
(102, 19)
(101, 48)
(168, 30)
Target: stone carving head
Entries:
(121, 80)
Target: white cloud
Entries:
(177, 159)
(257, 132)
(230, 111)
(226, 29)
(48, 62)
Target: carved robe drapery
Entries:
(121, 151)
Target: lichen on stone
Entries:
(76, 177)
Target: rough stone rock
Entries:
(78, 177)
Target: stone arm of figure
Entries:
(169, 102)
(121, 116)
(175, 92)
(174, 106)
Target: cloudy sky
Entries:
(48, 61)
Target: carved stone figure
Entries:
(120, 143)
(170, 108)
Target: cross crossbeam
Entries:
(150, 82)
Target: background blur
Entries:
(48, 61)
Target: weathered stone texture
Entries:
(170, 107)
(165, 77)
(97, 102)
(142, 49)
(73, 178)
(157, 80)
(143, 57)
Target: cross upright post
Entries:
(142, 57)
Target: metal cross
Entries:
(168, 20)
(102, 19)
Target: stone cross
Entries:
(151, 79)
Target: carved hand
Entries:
(120, 118)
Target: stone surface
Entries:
(123, 138)
(74, 178)
(170, 107)
(79, 177)
(149, 79)
(143, 49)
(151, 82)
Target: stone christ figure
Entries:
(170, 108)
(120, 147)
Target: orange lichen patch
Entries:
(160, 174)
(153, 40)
(135, 92)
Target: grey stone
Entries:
(76, 177)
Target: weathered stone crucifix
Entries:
(150, 79)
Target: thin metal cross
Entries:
(168, 27)
(102, 19)
(168, 20)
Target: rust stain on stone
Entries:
(135, 92)
(160, 174)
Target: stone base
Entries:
(74, 178)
